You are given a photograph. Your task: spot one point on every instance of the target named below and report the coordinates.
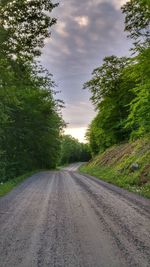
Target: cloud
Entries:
(61, 29)
(82, 21)
(79, 115)
(120, 3)
(95, 34)
(85, 33)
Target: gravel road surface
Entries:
(66, 219)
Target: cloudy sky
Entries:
(86, 32)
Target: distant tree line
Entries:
(120, 87)
(73, 151)
(30, 118)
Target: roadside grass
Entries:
(108, 174)
(7, 186)
(113, 166)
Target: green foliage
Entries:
(120, 87)
(137, 21)
(30, 137)
(139, 118)
(24, 26)
(110, 87)
(31, 123)
(106, 79)
(73, 151)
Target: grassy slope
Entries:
(114, 164)
(9, 185)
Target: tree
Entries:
(73, 151)
(106, 79)
(24, 26)
(110, 87)
(120, 88)
(31, 131)
(137, 21)
(31, 122)
(139, 117)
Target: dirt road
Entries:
(65, 219)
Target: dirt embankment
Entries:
(127, 165)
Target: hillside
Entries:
(126, 165)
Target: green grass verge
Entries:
(113, 176)
(9, 185)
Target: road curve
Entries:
(65, 219)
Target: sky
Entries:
(86, 32)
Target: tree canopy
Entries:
(31, 122)
(120, 87)
(137, 21)
(73, 151)
(24, 26)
